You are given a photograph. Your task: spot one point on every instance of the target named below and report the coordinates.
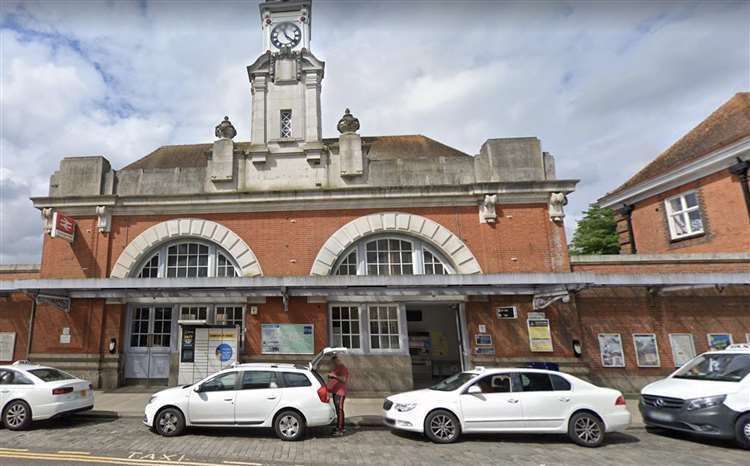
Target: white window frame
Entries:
(364, 327)
(213, 261)
(282, 130)
(417, 259)
(684, 213)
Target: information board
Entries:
(540, 336)
(287, 339)
(7, 343)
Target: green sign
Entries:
(287, 338)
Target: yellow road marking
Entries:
(13, 449)
(96, 459)
(65, 452)
(241, 463)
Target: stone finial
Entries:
(225, 130)
(347, 123)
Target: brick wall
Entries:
(286, 243)
(725, 219)
(14, 317)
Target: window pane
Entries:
(374, 342)
(295, 379)
(696, 224)
(535, 382)
(691, 200)
(394, 342)
(252, 380)
(679, 225)
(675, 204)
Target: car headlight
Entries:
(706, 402)
(403, 407)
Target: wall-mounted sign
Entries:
(646, 350)
(63, 227)
(610, 347)
(484, 350)
(287, 338)
(65, 336)
(7, 345)
(482, 328)
(719, 341)
(683, 348)
(540, 336)
(187, 350)
(508, 312)
(536, 316)
(483, 340)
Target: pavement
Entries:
(360, 412)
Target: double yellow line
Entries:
(84, 457)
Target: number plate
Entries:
(663, 417)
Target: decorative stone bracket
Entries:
(543, 300)
(556, 203)
(47, 220)
(487, 211)
(104, 218)
(60, 302)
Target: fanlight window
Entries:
(188, 259)
(391, 256)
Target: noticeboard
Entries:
(540, 336)
(287, 338)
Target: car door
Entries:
(496, 408)
(544, 408)
(213, 403)
(257, 397)
(6, 377)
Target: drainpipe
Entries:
(32, 314)
(627, 211)
(740, 170)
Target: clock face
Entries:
(285, 35)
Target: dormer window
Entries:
(286, 123)
(684, 215)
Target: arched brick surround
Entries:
(198, 228)
(431, 232)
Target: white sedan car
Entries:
(33, 393)
(286, 397)
(509, 400)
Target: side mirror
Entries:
(197, 388)
(474, 390)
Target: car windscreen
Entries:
(51, 375)
(720, 367)
(453, 382)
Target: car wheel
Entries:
(442, 427)
(17, 415)
(742, 429)
(586, 429)
(169, 422)
(289, 426)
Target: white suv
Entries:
(708, 396)
(510, 400)
(287, 397)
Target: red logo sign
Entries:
(63, 227)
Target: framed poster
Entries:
(719, 341)
(610, 347)
(683, 348)
(287, 338)
(7, 345)
(646, 350)
(540, 336)
(483, 340)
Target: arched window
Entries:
(188, 259)
(391, 255)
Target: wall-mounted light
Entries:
(577, 348)
(112, 345)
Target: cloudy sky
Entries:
(605, 86)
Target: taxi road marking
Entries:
(87, 458)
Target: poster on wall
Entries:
(287, 338)
(646, 350)
(540, 336)
(683, 348)
(719, 341)
(7, 344)
(610, 347)
(747, 337)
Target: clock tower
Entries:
(285, 84)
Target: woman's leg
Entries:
(339, 402)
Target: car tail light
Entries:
(62, 391)
(620, 401)
(323, 394)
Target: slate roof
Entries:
(728, 124)
(380, 148)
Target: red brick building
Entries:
(418, 257)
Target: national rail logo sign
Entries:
(63, 227)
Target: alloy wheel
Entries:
(442, 427)
(168, 423)
(289, 426)
(15, 415)
(746, 431)
(587, 430)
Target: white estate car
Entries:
(29, 392)
(287, 397)
(510, 400)
(708, 396)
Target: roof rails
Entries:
(22, 361)
(738, 347)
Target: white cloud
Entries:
(605, 86)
